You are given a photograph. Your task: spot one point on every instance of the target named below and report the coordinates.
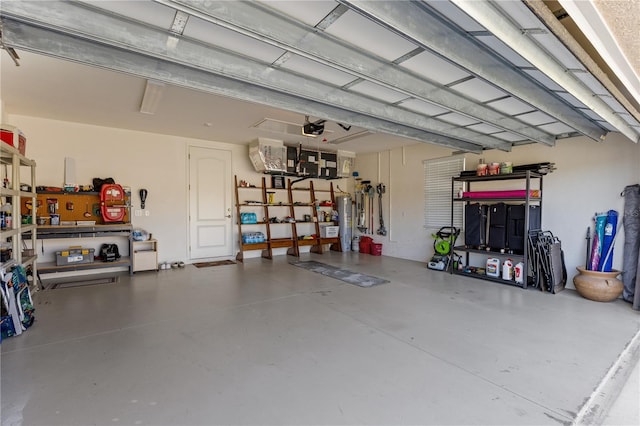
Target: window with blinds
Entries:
(437, 190)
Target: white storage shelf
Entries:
(145, 255)
(22, 170)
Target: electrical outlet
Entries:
(138, 212)
(147, 213)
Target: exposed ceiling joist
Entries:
(419, 23)
(451, 73)
(487, 15)
(28, 37)
(104, 28)
(255, 21)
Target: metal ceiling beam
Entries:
(94, 24)
(492, 19)
(261, 23)
(420, 24)
(26, 36)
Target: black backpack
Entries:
(97, 183)
(109, 252)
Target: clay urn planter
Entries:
(598, 286)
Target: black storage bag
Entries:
(515, 225)
(475, 225)
(97, 183)
(497, 226)
(109, 252)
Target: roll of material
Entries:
(516, 193)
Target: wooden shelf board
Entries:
(332, 240)
(255, 246)
(281, 242)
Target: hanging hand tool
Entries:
(372, 193)
(380, 189)
(360, 206)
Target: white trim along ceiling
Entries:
(464, 74)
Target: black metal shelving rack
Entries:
(527, 176)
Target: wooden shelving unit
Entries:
(312, 206)
(296, 203)
(262, 207)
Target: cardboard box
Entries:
(12, 136)
(329, 231)
(74, 256)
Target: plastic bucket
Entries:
(376, 249)
(365, 244)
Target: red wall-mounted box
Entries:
(12, 136)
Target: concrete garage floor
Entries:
(265, 342)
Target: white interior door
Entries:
(210, 199)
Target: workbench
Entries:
(122, 230)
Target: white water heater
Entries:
(343, 204)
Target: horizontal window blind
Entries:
(437, 190)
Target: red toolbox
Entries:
(113, 205)
(12, 136)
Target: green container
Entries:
(506, 168)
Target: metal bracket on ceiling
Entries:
(10, 50)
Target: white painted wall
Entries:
(134, 159)
(3, 114)
(588, 179)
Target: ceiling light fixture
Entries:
(152, 95)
